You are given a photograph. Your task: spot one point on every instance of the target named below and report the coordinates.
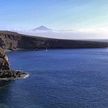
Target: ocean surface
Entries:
(75, 78)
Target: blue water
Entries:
(58, 79)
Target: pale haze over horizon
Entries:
(73, 18)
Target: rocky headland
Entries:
(7, 75)
(15, 41)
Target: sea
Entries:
(68, 78)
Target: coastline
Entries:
(8, 75)
(16, 42)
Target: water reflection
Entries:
(5, 94)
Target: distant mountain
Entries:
(42, 28)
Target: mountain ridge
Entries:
(15, 41)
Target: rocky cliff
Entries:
(15, 41)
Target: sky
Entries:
(89, 16)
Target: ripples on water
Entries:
(58, 79)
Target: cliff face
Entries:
(9, 40)
(14, 41)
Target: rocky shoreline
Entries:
(7, 75)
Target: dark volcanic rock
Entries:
(15, 41)
(12, 75)
(5, 71)
(2, 44)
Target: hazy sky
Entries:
(81, 15)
